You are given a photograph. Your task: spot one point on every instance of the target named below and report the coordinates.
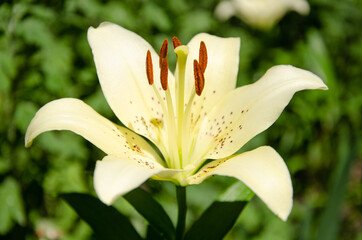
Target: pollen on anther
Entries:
(203, 56)
(149, 68)
(199, 78)
(163, 51)
(176, 42)
(164, 74)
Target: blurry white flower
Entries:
(262, 14)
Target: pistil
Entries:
(181, 52)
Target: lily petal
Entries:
(114, 176)
(220, 74)
(120, 57)
(262, 170)
(249, 110)
(74, 115)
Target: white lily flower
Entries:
(194, 115)
(262, 14)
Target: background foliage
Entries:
(44, 55)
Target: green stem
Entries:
(181, 220)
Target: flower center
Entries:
(178, 123)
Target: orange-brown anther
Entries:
(149, 68)
(199, 78)
(163, 51)
(203, 56)
(164, 73)
(176, 42)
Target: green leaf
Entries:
(216, 221)
(156, 15)
(152, 211)
(24, 112)
(11, 205)
(236, 192)
(330, 221)
(106, 222)
(152, 234)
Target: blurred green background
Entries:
(44, 55)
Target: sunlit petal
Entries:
(74, 115)
(251, 109)
(220, 75)
(120, 57)
(262, 170)
(114, 176)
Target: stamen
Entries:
(176, 42)
(164, 73)
(199, 78)
(203, 56)
(163, 51)
(149, 68)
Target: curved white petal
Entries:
(114, 176)
(120, 57)
(220, 74)
(74, 115)
(251, 109)
(263, 171)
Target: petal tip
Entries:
(284, 213)
(101, 25)
(92, 30)
(106, 199)
(28, 143)
(313, 80)
(114, 177)
(324, 87)
(29, 134)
